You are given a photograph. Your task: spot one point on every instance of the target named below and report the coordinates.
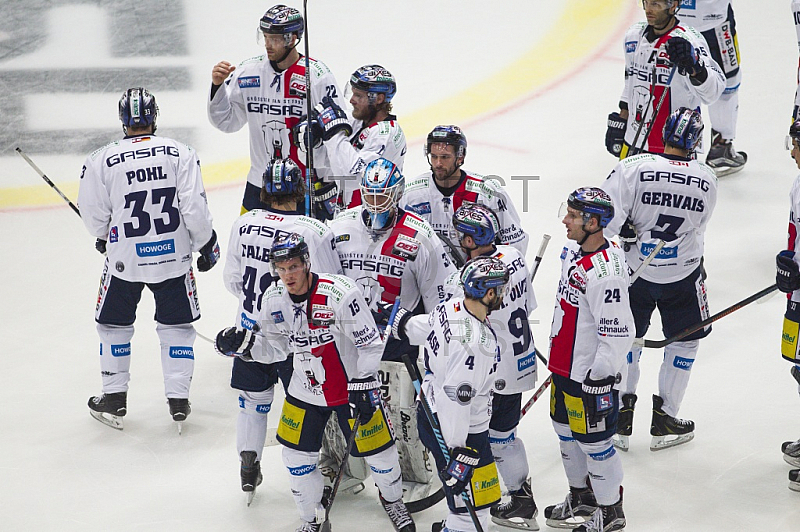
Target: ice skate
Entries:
(722, 158)
(309, 527)
(576, 509)
(520, 512)
(398, 514)
(109, 408)
(179, 409)
(668, 431)
(625, 424)
(794, 480)
(250, 473)
(606, 518)
(791, 452)
(438, 526)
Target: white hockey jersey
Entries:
(331, 334)
(424, 198)
(668, 198)
(407, 261)
(516, 370)
(349, 156)
(144, 195)
(247, 273)
(593, 326)
(645, 56)
(271, 103)
(703, 15)
(794, 227)
(461, 354)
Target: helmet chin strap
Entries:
(587, 234)
(667, 23)
(288, 51)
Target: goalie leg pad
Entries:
(572, 457)
(177, 358)
(605, 469)
(251, 424)
(673, 379)
(305, 481)
(115, 357)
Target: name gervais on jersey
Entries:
(670, 199)
(141, 153)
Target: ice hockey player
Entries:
(788, 280)
(373, 131)
(715, 20)
(461, 355)
(437, 194)
(324, 321)
(652, 50)
(591, 333)
(668, 197)
(247, 275)
(268, 94)
(478, 230)
(143, 198)
(392, 253)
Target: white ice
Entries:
(62, 470)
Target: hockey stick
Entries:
(539, 255)
(309, 130)
(634, 150)
(454, 254)
(413, 371)
(708, 321)
(47, 180)
(326, 524)
(647, 260)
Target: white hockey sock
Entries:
(572, 456)
(723, 112)
(674, 375)
(115, 357)
(305, 480)
(631, 379)
(509, 455)
(463, 522)
(251, 425)
(605, 469)
(385, 468)
(177, 358)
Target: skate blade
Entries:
(518, 523)
(180, 427)
(570, 522)
(325, 526)
(723, 171)
(661, 442)
(115, 422)
(794, 486)
(250, 496)
(621, 442)
(791, 460)
(354, 489)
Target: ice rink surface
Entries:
(531, 83)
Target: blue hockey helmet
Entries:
(683, 129)
(382, 187)
(450, 135)
(374, 79)
(592, 201)
(282, 177)
(477, 221)
(794, 135)
(482, 273)
(287, 247)
(282, 20)
(138, 109)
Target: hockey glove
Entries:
(787, 276)
(332, 119)
(615, 134)
(232, 342)
(325, 197)
(627, 235)
(397, 326)
(598, 398)
(100, 246)
(364, 397)
(300, 132)
(458, 472)
(209, 254)
(684, 56)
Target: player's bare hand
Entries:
(220, 72)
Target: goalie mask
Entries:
(382, 187)
(138, 109)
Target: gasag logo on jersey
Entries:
(665, 253)
(249, 82)
(283, 108)
(297, 86)
(420, 208)
(152, 249)
(121, 350)
(406, 247)
(176, 351)
(277, 316)
(113, 235)
(321, 316)
(630, 47)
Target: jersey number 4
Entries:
(252, 300)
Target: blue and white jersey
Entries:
(703, 15)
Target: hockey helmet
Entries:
(282, 177)
(382, 187)
(137, 108)
(794, 134)
(482, 273)
(477, 221)
(282, 20)
(287, 247)
(450, 135)
(592, 201)
(374, 79)
(683, 129)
